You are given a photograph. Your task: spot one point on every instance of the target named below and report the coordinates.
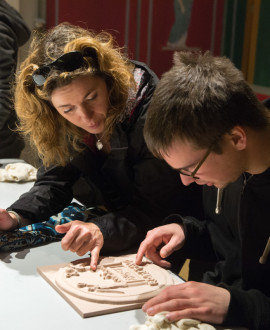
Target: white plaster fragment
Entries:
(187, 323)
(204, 326)
(160, 322)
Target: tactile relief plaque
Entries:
(118, 284)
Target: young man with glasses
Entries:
(206, 123)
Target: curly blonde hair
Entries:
(55, 138)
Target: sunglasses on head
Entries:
(67, 62)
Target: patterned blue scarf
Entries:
(44, 232)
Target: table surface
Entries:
(28, 302)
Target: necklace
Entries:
(99, 144)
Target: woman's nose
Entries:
(86, 113)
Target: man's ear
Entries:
(238, 137)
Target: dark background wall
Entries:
(143, 26)
(238, 29)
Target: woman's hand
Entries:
(161, 242)
(81, 238)
(191, 300)
(8, 221)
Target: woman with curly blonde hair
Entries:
(83, 104)
(83, 54)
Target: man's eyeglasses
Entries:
(193, 173)
(68, 62)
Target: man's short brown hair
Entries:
(199, 99)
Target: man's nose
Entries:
(187, 180)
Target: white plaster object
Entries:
(18, 172)
(159, 321)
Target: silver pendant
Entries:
(99, 145)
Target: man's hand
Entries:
(81, 238)
(8, 221)
(191, 300)
(171, 236)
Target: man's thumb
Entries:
(63, 228)
(166, 250)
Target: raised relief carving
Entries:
(116, 280)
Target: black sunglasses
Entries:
(67, 62)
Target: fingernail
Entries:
(149, 310)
